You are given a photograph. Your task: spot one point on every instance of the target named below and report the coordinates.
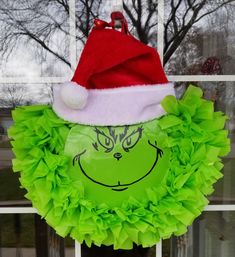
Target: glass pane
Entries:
(10, 192)
(223, 95)
(211, 235)
(166, 248)
(86, 12)
(104, 251)
(17, 235)
(199, 38)
(141, 17)
(12, 95)
(27, 235)
(34, 38)
(69, 247)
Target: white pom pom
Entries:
(74, 95)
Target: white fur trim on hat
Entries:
(73, 95)
(116, 106)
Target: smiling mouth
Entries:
(118, 187)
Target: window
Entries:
(40, 43)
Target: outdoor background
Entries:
(40, 44)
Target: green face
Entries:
(115, 163)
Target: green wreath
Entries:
(192, 131)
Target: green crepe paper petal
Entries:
(205, 111)
(169, 122)
(191, 92)
(170, 105)
(191, 129)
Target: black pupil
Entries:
(107, 141)
(128, 141)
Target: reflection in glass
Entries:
(12, 95)
(199, 38)
(141, 16)
(211, 235)
(27, 235)
(17, 235)
(34, 38)
(9, 182)
(104, 251)
(69, 245)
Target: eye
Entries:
(128, 141)
(131, 140)
(105, 141)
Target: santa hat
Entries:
(118, 80)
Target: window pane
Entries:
(28, 235)
(204, 44)
(86, 12)
(105, 251)
(69, 247)
(10, 192)
(34, 38)
(141, 17)
(166, 248)
(211, 235)
(12, 95)
(17, 235)
(222, 93)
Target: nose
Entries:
(117, 156)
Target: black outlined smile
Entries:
(119, 187)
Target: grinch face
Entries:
(117, 159)
(117, 145)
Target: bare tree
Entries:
(42, 23)
(13, 95)
(45, 23)
(143, 17)
(33, 21)
(187, 59)
(182, 17)
(86, 12)
(45, 94)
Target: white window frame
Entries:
(73, 61)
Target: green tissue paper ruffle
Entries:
(197, 139)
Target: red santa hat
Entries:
(118, 80)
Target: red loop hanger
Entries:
(116, 19)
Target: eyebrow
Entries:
(122, 135)
(112, 133)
